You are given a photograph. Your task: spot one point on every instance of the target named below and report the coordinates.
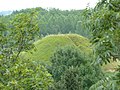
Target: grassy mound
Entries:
(46, 46)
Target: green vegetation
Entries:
(104, 22)
(111, 67)
(61, 50)
(46, 46)
(16, 73)
(72, 69)
(54, 21)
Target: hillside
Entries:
(46, 46)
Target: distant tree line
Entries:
(54, 21)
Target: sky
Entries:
(6, 5)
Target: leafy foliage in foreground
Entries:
(104, 22)
(24, 75)
(111, 82)
(108, 82)
(16, 73)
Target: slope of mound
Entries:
(46, 46)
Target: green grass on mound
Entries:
(46, 46)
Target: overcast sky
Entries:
(61, 4)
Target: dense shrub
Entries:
(64, 58)
(70, 80)
(63, 68)
(24, 75)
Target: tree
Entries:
(17, 73)
(104, 22)
(70, 80)
(70, 62)
(64, 58)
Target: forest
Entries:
(53, 49)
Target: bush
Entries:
(63, 68)
(24, 75)
(63, 58)
(70, 80)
